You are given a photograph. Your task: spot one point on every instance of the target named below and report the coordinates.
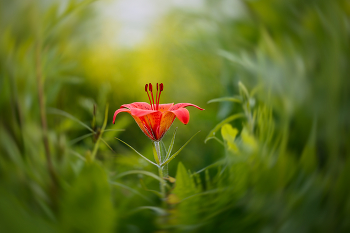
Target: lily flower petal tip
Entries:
(155, 119)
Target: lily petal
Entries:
(139, 105)
(165, 107)
(118, 111)
(182, 114)
(140, 112)
(183, 105)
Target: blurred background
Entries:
(281, 167)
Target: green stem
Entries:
(160, 168)
(162, 185)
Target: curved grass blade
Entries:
(174, 155)
(93, 155)
(107, 145)
(131, 189)
(150, 190)
(218, 140)
(158, 210)
(243, 89)
(150, 174)
(77, 154)
(72, 142)
(63, 113)
(137, 152)
(220, 162)
(236, 99)
(204, 193)
(114, 130)
(218, 126)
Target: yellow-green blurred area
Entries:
(273, 151)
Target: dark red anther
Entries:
(150, 87)
(157, 86)
(161, 87)
(146, 86)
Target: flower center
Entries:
(154, 104)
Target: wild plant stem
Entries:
(160, 169)
(40, 85)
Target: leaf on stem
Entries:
(155, 154)
(174, 155)
(171, 145)
(137, 152)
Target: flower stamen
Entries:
(160, 91)
(146, 89)
(157, 98)
(151, 90)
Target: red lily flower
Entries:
(155, 119)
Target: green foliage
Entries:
(87, 206)
(277, 75)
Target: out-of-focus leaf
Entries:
(229, 135)
(85, 200)
(236, 99)
(218, 126)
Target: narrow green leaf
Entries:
(72, 142)
(236, 99)
(63, 113)
(218, 140)
(243, 90)
(150, 190)
(107, 144)
(174, 155)
(164, 148)
(150, 174)
(155, 154)
(158, 210)
(218, 126)
(114, 130)
(94, 152)
(137, 152)
(171, 145)
(131, 189)
(77, 154)
(220, 162)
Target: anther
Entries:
(146, 86)
(150, 89)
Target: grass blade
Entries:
(236, 99)
(72, 142)
(63, 113)
(150, 174)
(131, 189)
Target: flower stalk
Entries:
(162, 170)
